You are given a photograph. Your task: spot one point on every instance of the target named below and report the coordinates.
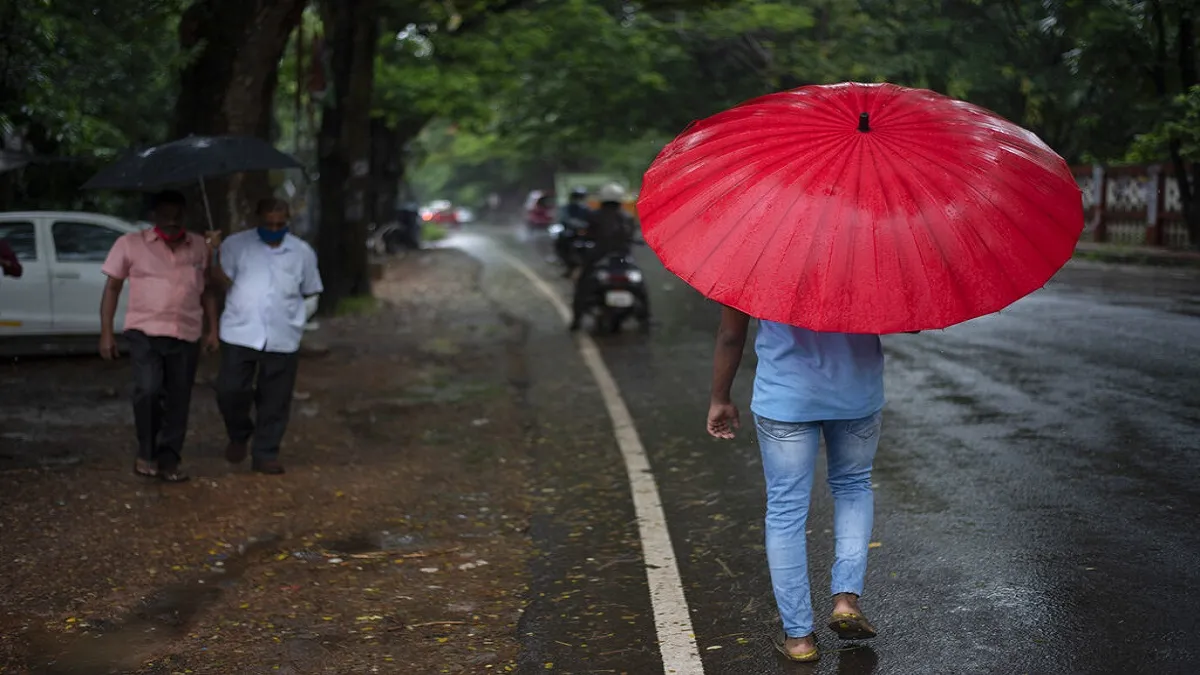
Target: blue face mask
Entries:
(272, 237)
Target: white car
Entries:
(59, 292)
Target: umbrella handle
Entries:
(207, 208)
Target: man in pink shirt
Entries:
(169, 300)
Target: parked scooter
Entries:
(403, 233)
(619, 294)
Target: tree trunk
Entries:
(389, 161)
(344, 149)
(1189, 194)
(229, 86)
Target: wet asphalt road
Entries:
(1037, 493)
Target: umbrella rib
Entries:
(837, 229)
(975, 171)
(833, 237)
(798, 196)
(775, 168)
(714, 197)
(974, 232)
(729, 143)
(912, 188)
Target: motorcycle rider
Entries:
(576, 211)
(574, 218)
(612, 229)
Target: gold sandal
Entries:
(780, 642)
(851, 626)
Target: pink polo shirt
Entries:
(165, 285)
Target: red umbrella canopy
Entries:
(861, 208)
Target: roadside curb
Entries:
(1133, 255)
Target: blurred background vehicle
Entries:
(62, 253)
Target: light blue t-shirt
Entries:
(805, 376)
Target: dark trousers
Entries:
(264, 380)
(164, 371)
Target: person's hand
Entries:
(723, 420)
(213, 238)
(212, 342)
(108, 347)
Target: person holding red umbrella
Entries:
(834, 215)
(808, 384)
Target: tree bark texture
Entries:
(228, 87)
(344, 148)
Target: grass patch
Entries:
(358, 305)
(1129, 256)
(432, 232)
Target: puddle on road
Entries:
(381, 540)
(106, 648)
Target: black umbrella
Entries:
(190, 160)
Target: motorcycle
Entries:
(618, 294)
(571, 244)
(404, 233)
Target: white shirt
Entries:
(264, 308)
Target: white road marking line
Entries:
(676, 639)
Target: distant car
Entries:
(441, 212)
(62, 253)
(447, 217)
(464, 215)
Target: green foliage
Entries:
(357, 305)
(1182, 126)
(82, 82)
(433, 232)
(90, 79)
(502, 93)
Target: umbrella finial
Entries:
(864, 122)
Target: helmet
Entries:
(611, 193)
(578, 192)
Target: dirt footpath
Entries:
(395, 543)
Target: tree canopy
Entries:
(464, 97)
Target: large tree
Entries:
(228, 85)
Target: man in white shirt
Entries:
(268, 275)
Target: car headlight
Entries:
(634, 276)
(602, 275)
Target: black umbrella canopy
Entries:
(188, 161)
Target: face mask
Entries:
(272, 237)
(170, 237)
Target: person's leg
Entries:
(583, 288)
(147, 370)
(273, 406)
(851, 445)
(789, 455)
(235, 395)
(179, 360)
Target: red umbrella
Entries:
(861, 208)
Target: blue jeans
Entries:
(789, 452)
